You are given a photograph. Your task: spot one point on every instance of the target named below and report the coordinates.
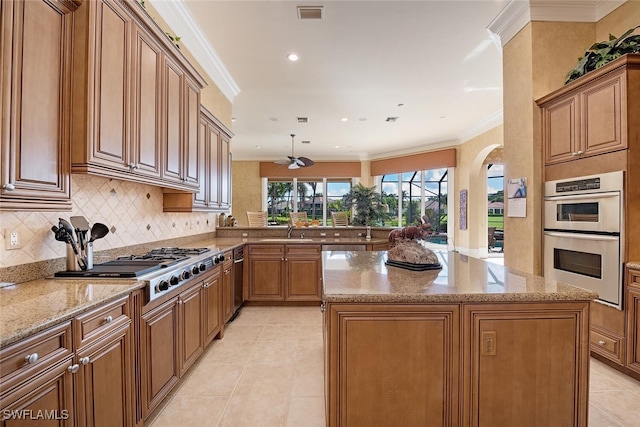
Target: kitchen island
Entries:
(473, 344)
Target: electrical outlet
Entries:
(12, 240)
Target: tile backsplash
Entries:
(132, 211)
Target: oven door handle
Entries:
(592, 196)
(582, 236)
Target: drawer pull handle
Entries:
(9, 187)
(31, 358)
(85, 361)
(73, 368)
(207, 284)
(108, 319)
(602, 342)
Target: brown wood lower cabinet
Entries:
(284, 273)
(212, 311)
(159, 348)
(190, 328)
(456, 364)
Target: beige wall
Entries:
(246, 191)
(471, 175)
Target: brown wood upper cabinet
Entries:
(35, 126)
(136, 108)
(213, 168)
(589, 116)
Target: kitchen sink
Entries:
(284, 239)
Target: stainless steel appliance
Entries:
(238, 271)
(163, 269)
(584, 232)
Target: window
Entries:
(410, 201)
(305, 196)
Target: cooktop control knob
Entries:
(202, 267)
(195, 269)
(162, 286)
(174, 280)
(216, 260)
(185, 275)
(221, 256)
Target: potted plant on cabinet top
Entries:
(369, 209)
(604, 52)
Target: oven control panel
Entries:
(578, 185)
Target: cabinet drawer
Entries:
(270, 250)
(92, 325)
(634, 278)
(609, 346)
(303, 250)
(44, 349)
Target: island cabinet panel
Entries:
(191, 334)
(633, 320)
(35, 94)
(391, 364)
(534, 354)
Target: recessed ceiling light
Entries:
(442, 117)
(305, 142)
(233, 119)
(302, 119)
(336, 146)
(344, 119)
(400, 105)
(257, 147)
(293, 57)
(273, 119)
(362, 119)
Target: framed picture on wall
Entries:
(463, 209)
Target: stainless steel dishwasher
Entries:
(238, 261)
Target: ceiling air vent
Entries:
(391, 119)
(309, 12)
(303, 120)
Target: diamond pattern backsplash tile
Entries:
(125, 207)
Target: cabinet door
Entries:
(52, 392)
(633, 320)
(192, 151)
(35, 94)
(392, 365)
(159, 346)
(110, 93)
(190, 327)
(303, 273)
(172, 124)
(105, 393)
(147, 77)
(560, 130)
(225, 172)
(227, 286)
(604, 118)
(266, 273)
(200, 197)
(509, 349)
(212, 307)
(214, 167)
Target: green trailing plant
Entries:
(603, 52)
(174, 39)
(369, 209)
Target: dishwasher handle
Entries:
(236, 261)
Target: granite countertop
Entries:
(363, 277)
(33, 306)
(634, 265)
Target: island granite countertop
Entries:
(363, 277)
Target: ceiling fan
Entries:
(295, 162)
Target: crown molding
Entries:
(178, 17)
(486, 124)
(518, 13)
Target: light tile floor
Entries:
(268, 371)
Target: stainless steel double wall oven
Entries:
(584, 233)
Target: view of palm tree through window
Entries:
(407, 188)
(307, 196)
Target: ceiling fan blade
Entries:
(294, 165)
(282, 162)
(306, 161)
(298, 162)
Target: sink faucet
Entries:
(289, 230)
